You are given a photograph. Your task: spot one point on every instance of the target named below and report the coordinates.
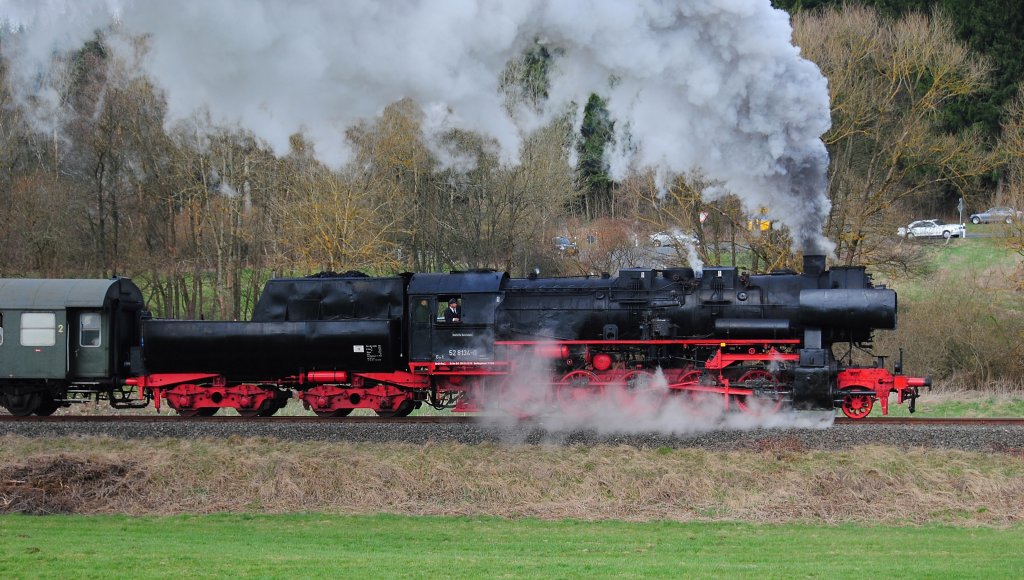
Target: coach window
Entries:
(90, 331)
(38, 329)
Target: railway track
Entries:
(446, 420)
(424, 420)
(931, 421)
(802, 433)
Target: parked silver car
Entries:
(673, 238)
(996, 214)
(565, 245)
(931, 229)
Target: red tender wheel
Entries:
(403, 409)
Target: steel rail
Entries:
(931, 421)
(450, 420)
(232, 419)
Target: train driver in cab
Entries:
(422, 313)
(454, 312)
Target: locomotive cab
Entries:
(437, 339)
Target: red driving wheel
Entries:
(857, 405)
(769, 404)
(576, 390)
(636, 393)
(687, 380)
(686, 386)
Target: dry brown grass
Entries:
(776, 481)
(965, 389)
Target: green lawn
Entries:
(434, 547)
(976, 253)
(970, 406)
(970, 258)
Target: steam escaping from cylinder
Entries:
(529, 394)
(714, 85)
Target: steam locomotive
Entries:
(524, 346)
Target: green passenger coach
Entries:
(56, 334)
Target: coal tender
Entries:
(299, 325)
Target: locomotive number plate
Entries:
(373, 352)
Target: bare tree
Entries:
(1011, 148)
(334, 221)
(395, 167)
(889, 82)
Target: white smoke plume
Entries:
(714, 84)
(529, 395)
(693, 258)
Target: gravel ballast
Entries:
(980, 438)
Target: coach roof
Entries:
(30, 293)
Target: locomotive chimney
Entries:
(814, 265)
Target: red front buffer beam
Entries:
(909, 389)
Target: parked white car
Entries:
(673, 238)
(932, 229)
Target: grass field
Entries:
(772, 480)
(962, 403)
(986, 260)
(442, 547)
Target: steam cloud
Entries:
(715, 85)
(528, 394)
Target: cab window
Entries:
(449, 309)
(89, 334)
(1, 328)
(421, 311)
(38, 329)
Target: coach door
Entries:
(88, 346)
(42, 344)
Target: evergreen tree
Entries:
(596, 134)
